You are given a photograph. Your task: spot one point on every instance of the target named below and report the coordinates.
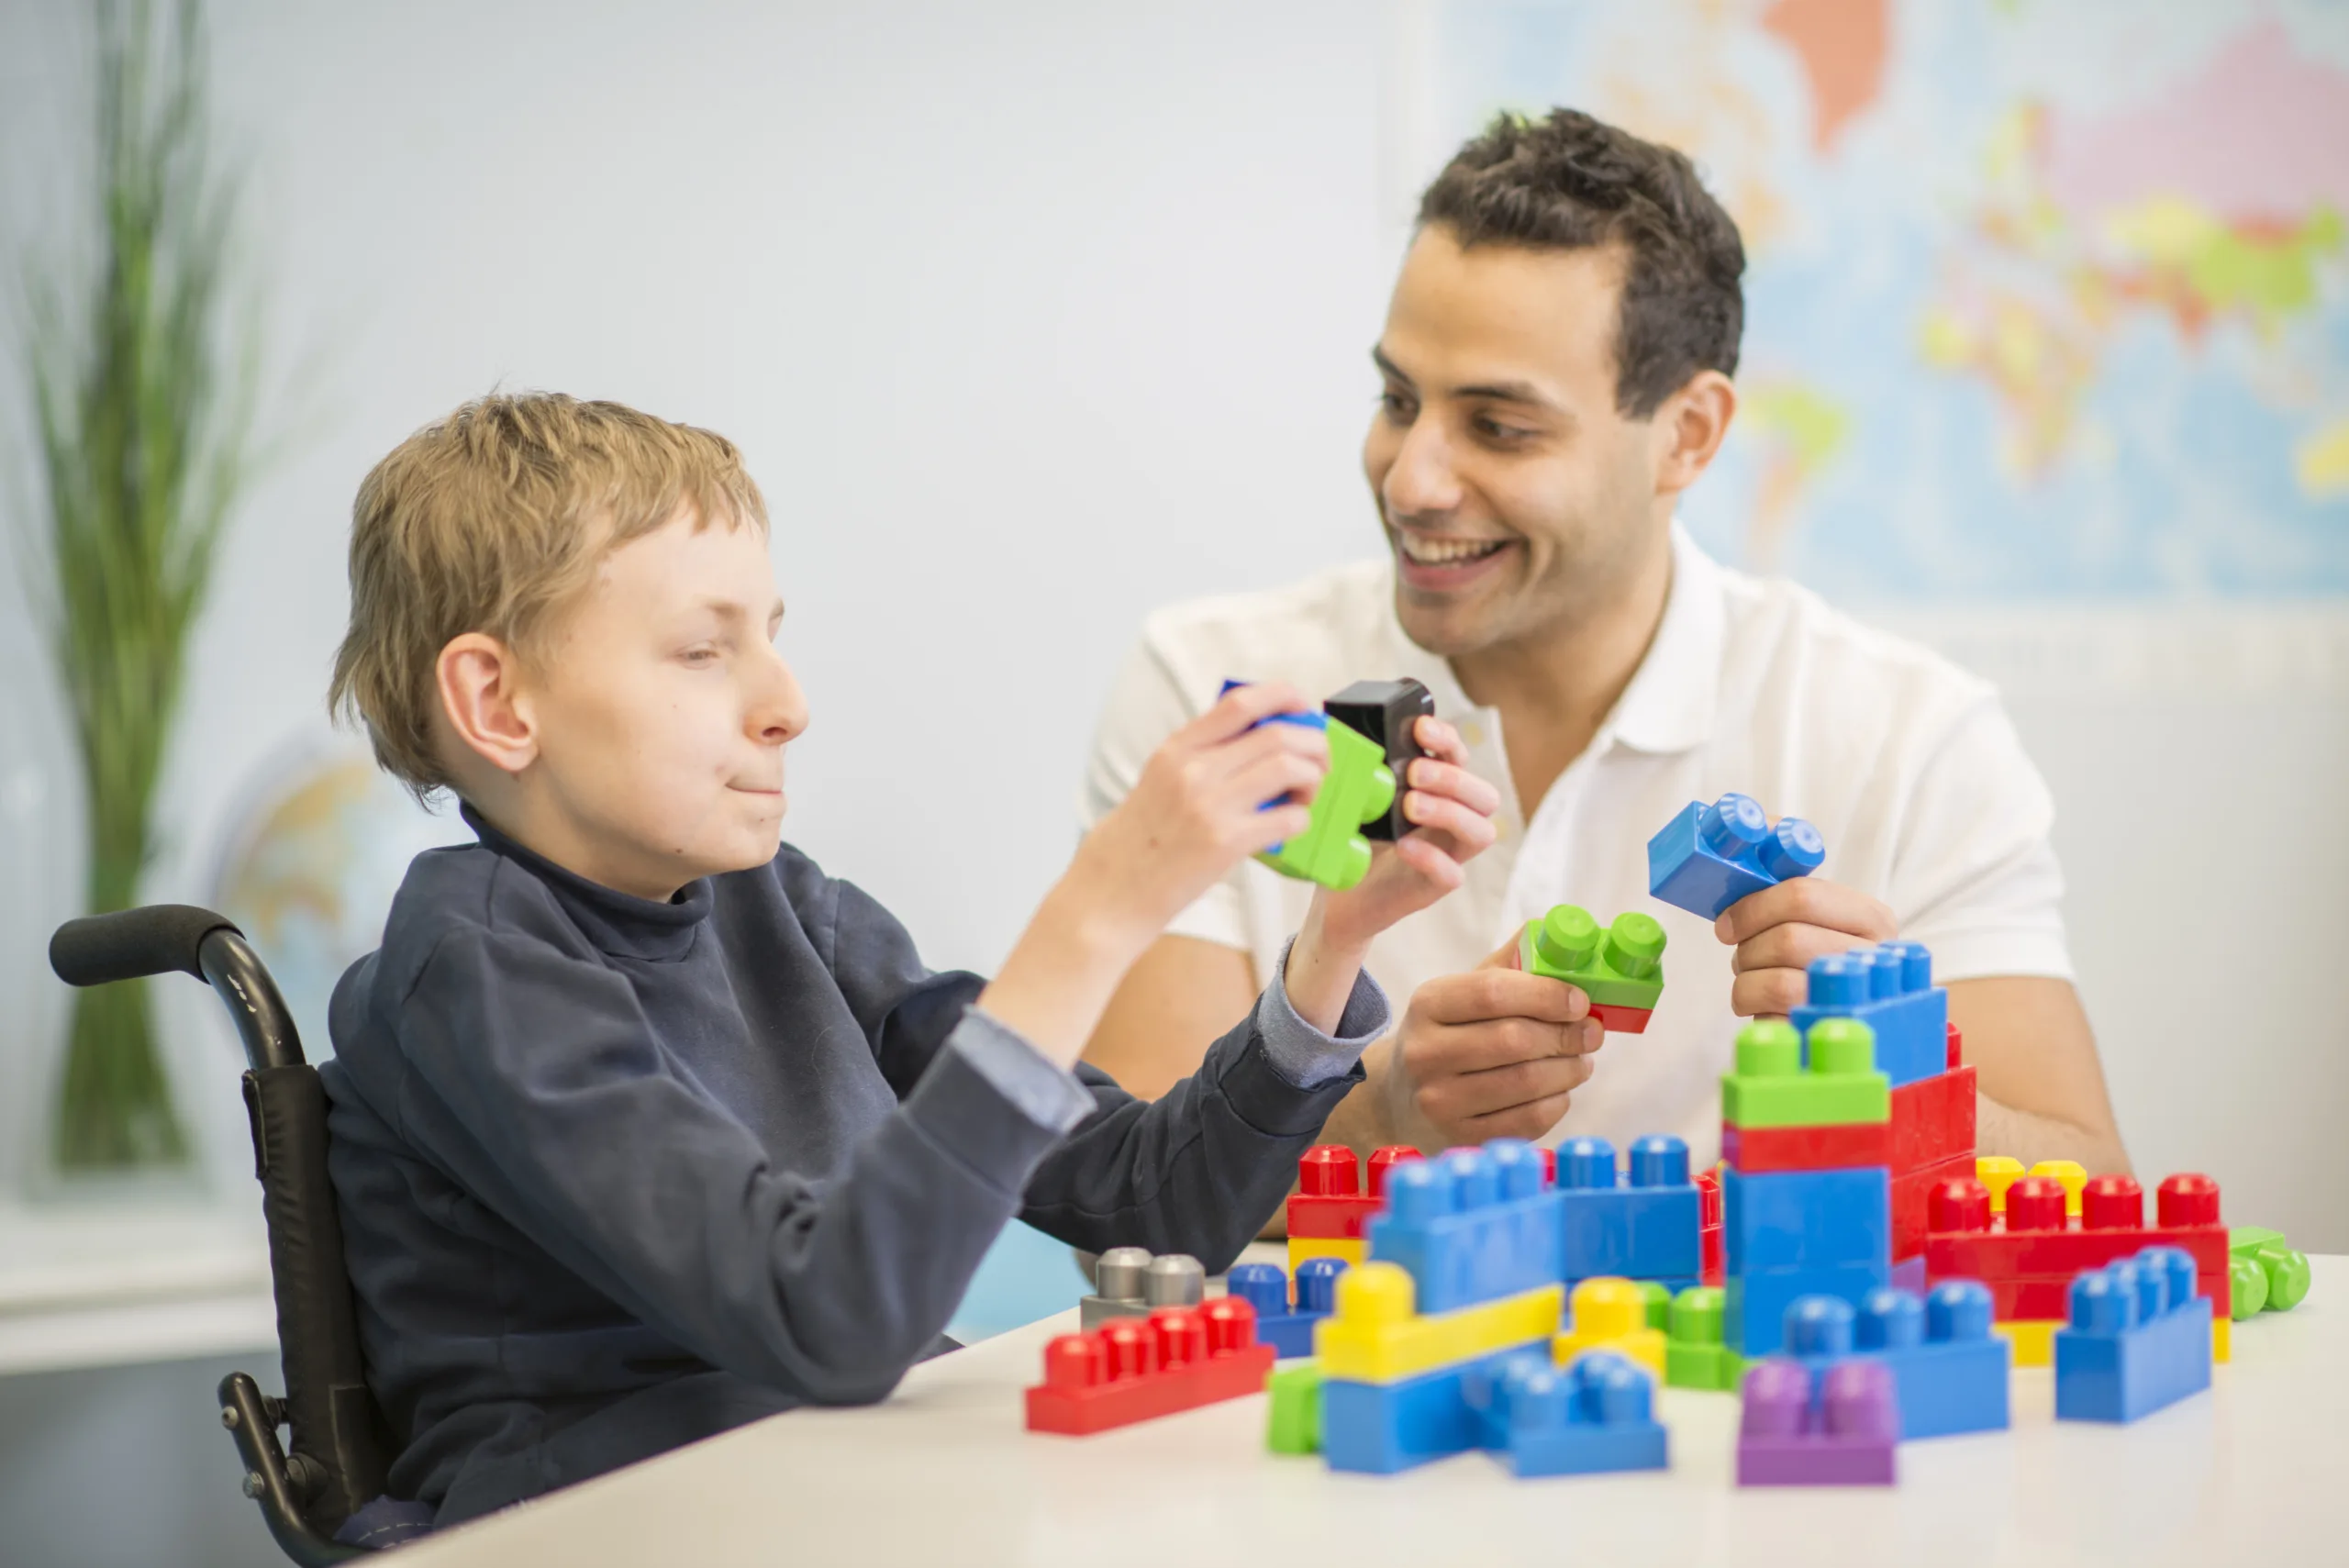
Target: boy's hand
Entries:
(1777, 932)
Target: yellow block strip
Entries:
(2033, 1340)
(1364, 1349)
(1645, 1346)
(1350, 1253)
(2221, 1337)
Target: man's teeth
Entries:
(1448, 552)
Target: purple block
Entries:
(1908, 1274)
(1835, 1430)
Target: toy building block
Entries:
(1375, 1336)
(1294, 1421)
(1694, 1354)
(2030, 1263)
(1948, 1371)
(1792, 1219)
(1754, 1303)
(1609, 1315)
(2267, 1275)
(1908, 1274)
(1593, 1417)
(1956, 1050)
(1618, 967)
(1133, 1369)
(2137, 1338)
(1286, 1326)
(1835, 1428)
(1912, 1194)
(1387, 714)
(1998, 1172)
(1472, 1225)
(1711, 1246)
(2071, 1175)
(1357, 789)
(1655, 1302)
(1128, 1282)
(2033, 1340)
(1648, 1229)
(1708, 857)
(1889, 988)
(1303, 1250)
(1933, 1120)
(1331, 1200)
(1759, 1150)
(1380, 1427)
(1774, 1086)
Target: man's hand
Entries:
(1491, 1053)
(1777, 932)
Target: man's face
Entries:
(1514, 496)
(661, 709)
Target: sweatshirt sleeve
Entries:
(533, 1078)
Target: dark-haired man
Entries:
(1558, 361)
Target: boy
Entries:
(642, 1127)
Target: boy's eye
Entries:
(701, 655)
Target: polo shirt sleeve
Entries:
(1147, 703)
(1974, 877)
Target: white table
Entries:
(944, 1473)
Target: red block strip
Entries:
(1932, 1121)
(2039, 1300)
(1621, 1020)
(1754, 1149)
(1912, 1192)
(1132, 1370)
(1330, 1204)
(1332, 1219)
(1711, 1248)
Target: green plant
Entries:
(142, 369)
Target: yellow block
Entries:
(2072, 1174)
(1300, 1247)
(2033, 1340)
(1610, 1314)
(2221, 1337)
(1998, 1172)
(1375, 1336)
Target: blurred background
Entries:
(1034, 316)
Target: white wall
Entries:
(1031, 317)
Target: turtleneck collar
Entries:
(619, 924)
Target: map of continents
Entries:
(2048, 297)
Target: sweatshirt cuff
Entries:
(1303, 1054)
(1042, 1093)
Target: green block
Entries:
(1619, 966)
(1296, 1424)
(1694, 1355)
(1358, 788)
(2283, 1272)
(2246, 1287)
(1657, 1300)
(1772, 1088)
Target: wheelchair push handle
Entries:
(160, 939)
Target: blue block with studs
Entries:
(1595, 1416)
(1646, 1229)
(1708, 857)
(1380, 1427)
(1890, 987)
(2138, 1338)
(1949, 1370)
(1285, 1325)
(1472, 1225)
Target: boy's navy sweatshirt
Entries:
(617, 1174)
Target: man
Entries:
(1557, 361)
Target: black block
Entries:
(1384, 710)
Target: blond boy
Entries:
(642, 1126)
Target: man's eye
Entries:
(1496, 430)
(1397, 405)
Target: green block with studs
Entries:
(1619, 965)
(1694, 1353)
(2265, 1273)
(1358, 788)
(1773, 1087)
(1295, 1423)
(1655, 1299)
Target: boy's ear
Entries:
(480, 682)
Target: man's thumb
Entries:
(1503, 956)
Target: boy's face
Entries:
(659, 712)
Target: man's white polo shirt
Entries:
(1907, 764)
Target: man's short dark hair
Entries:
(1569, 183)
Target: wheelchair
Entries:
(333, 1461)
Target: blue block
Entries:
(1286, 1326)
(1595, 1416)
(1949, 1370)
(1908, 1274)
(1753, 1306)
(2139, 1338)
(1381, 1428)
(1472, 1225)
(1648, 1229)
(1889, 988)
(1708, 857)
(1790, 1219)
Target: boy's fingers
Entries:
(1808, 901)
(1428, 776)
(1276, 775)
(1239, 708)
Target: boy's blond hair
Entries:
(490, 520)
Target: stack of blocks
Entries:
(1618, 967)
(1329, 1214)
(2138, 1338)
(1452, 1335)
(1806, 1186)
(2030, 1255)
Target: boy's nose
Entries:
(779, 709)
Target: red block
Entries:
(2029, 1260)
(1137, 1368)
(1710, 1249)
(1754, 1149)
(1621, 1020)
(1911, 1191)
(1329, 1204)
(1932, 1121)
(1956, 1043)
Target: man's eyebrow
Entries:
(1492, 391)
(1387, 367)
